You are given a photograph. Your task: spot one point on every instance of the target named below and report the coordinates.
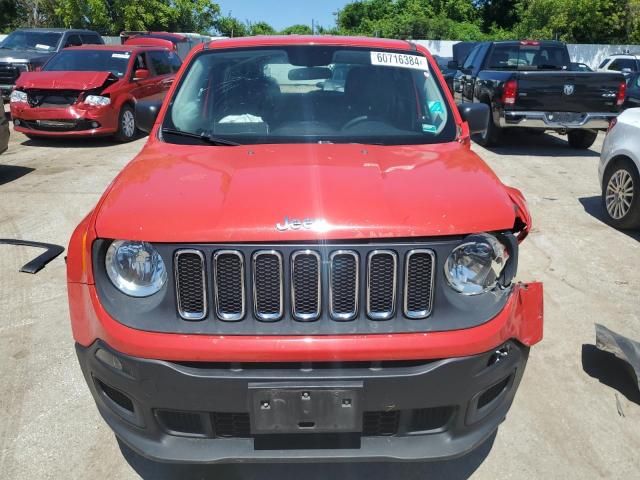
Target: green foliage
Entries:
(231, 27)
(261, 28)
(297, 30)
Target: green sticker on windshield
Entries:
(428, 128)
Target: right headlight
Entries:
(475, 266)
(18, 96)
(135, 268)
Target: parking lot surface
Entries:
(576, 415)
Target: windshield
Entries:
(307, 94)
(528, 57)
(33, 41)
(89, 61)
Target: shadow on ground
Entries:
(80, 142)
(520, 142)
(610, 371)
(593, 206)
(9, 173)
(458, 469)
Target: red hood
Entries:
(173, 193)
(62, 80)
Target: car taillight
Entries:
(509, 92)
(612, 123)
(622, 94)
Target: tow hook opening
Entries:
(499, 355)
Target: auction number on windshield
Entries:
(399, 60)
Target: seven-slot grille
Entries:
(298, 280)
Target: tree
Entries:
(261, 28)
(297, 30)
(231, 27)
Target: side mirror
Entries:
(140, 74)
(477, 115)
(147, 112)
(453, 65)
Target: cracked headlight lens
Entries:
(135, 268)
(475, 266)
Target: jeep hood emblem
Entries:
(297, 224)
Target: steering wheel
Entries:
(355, 121)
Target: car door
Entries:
(162, 70)
(142, 87)
(465, 76)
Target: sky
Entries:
(283, 13)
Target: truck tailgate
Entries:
(565, 91)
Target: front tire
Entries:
(621, 195)
(582, 139)
(127, 130)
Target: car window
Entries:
(91, 39)
(620, 64)
(604, 62)
(174, 61)
(477, 62)
(32, 41)
(140, 63)
(289, 95)
(468, 62)
(159, 62)
(81, 60)
(73, 40)
(528, 57)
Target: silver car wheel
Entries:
(128, 123)
(619, 194)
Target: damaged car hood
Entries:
(63, 80)
(180, 193)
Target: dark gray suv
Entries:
(27, 49)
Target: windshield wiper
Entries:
(203, 137)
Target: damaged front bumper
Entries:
(200, 398)
(75, 120)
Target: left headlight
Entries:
(97, 100)
(18, 96)
(475, 266)
(135, 268)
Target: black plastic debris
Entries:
(38, 263)
(623, 348)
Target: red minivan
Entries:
(91, 90)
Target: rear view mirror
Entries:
(310, 73)
(141, 74)
(147, 112)
(476, 115)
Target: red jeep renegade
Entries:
(306, 261)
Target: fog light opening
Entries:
(95, 124)
(109, 359)
(17, 122)
(499, 355)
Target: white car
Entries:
(621, 62)
(619, 171)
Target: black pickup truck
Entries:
(531, 84)
(27, 49)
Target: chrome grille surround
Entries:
(273, 314)
(374, 290)
(225, 313)
(195, 283)
(416, 314)
(302, 305)
(343, 297)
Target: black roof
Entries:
(56, 30)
